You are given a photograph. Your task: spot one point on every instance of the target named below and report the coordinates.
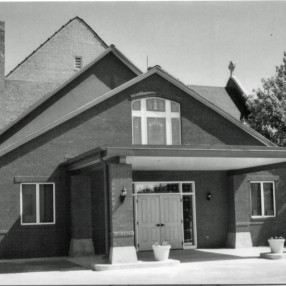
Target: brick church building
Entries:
(98, 157)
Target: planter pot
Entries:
(276, 245)
(161, 252)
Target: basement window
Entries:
(262, 199)
(77, 63)
(37, 203)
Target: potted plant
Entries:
(161, 250)
(276, 244)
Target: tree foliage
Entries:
(268, 107)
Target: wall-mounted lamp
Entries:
(209, 196)
(123, 194)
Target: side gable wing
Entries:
(104, 74)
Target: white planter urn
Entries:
(161, 252)
(276, 244)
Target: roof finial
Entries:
(231, 67)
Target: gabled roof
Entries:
(219, 96)
(111, 49)
(71, 20)
(156, 70)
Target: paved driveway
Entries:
(205, 266)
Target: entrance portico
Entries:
(210, 169)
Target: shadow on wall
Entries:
(240, 220)
(271, 227)
(32, 241)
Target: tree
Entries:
(268, 107)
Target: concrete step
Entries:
(270, 255)
(137, 265)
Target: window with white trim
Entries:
(156, 121)
(77, 63)
(37, 203)
(262, 199)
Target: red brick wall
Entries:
(54, 61)
(81, 207)
(121, 212)
(99, 213)
(109, 123)
(263, 228)
(41, 157)
(2, 55)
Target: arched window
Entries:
(156, 121)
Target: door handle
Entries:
(160, 224)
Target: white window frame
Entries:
(76, 67)
(186, 245)
(143, 113)
(262, 199)
(37, 204)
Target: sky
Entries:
(193, 41)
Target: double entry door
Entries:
(159, 219)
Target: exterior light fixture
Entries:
(123, 194)
(209, 196)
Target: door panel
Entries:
(171, 217)
(148, 212)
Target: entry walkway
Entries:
(202, 266)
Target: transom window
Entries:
(37, 203)
(263, 199)
(156, 121)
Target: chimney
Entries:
(2, 55)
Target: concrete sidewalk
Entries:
(202, 266)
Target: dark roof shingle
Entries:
(220, 97)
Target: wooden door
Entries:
(148, 216)
(171, 218)
(159, 219)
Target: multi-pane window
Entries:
(77, 63)
(37, 203)
(262, 199)
(156, 121)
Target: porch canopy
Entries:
(188, 158)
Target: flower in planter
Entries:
(161, 250)
(164, 243)
(276, 237)
(276, 244)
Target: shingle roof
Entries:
(71, 20)
(220, 97)
(14, 142)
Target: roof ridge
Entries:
(95, 34)
(199, 85)
(55, 33)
